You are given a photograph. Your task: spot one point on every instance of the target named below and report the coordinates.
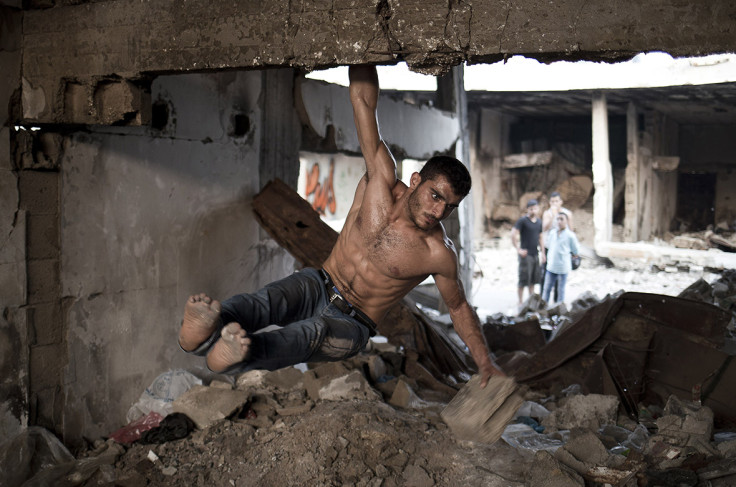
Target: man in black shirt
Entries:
(528, 240)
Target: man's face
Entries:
(562, 221)
(431, 201)
(555, 202)
(532, 211)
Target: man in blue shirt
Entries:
(562, 244)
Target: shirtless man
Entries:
(391, 241)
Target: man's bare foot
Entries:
(201, 314)
(232, 347)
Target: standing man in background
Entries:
(562, 243)
(549, 223)
(528, 241)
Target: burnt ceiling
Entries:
(691, 104)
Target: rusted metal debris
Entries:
(643, 348)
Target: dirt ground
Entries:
(355, 443)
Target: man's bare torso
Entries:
(381, 256)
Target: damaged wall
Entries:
(651, 187)
(13, 330)
(711, 149)
(147, 217)
(491, 133)
(147, 220)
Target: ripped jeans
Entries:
(312, 328)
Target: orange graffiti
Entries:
(324, 194)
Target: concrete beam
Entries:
(69, 50)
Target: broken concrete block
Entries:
(586, 448)
(580, 411)
(220, 384)
(285, 379)
(253, 379)
(727, 449)
(374, 364)
(683, 242)
(696, 419)
(386, 387)
(587, 455)
(404, 397)
(206, 405)
(351, 386)
(548, 472)
(318, 377)
(481, 414)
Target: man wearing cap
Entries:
(528, 240)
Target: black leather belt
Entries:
(333, 294)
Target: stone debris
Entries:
(481, 414)
(372, 420)
(206, 405)
(581, 411)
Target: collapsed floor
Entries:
(370, 422)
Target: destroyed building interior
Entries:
(152, 150)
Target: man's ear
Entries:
(415, 180)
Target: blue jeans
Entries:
(550, 278)
(313, 329)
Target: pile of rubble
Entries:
(631, 390)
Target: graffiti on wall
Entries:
(321, 193)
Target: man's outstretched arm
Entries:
(364, 90)
(467, 325)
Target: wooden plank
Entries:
(293, 223)
(529, 159)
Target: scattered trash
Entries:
(162, 392)
(133, 431)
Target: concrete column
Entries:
(632, 204)
(451, 96)
(602, 175)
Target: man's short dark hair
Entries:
(455, 172)
(555, 193)
(531, 203)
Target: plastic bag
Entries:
(522, 436)
(532, 409)
(30, 452)
(162, 392)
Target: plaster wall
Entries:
(148, 218)
(418, 132)
(13, 326)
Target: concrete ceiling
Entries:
(700, 104)
(91, 63)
